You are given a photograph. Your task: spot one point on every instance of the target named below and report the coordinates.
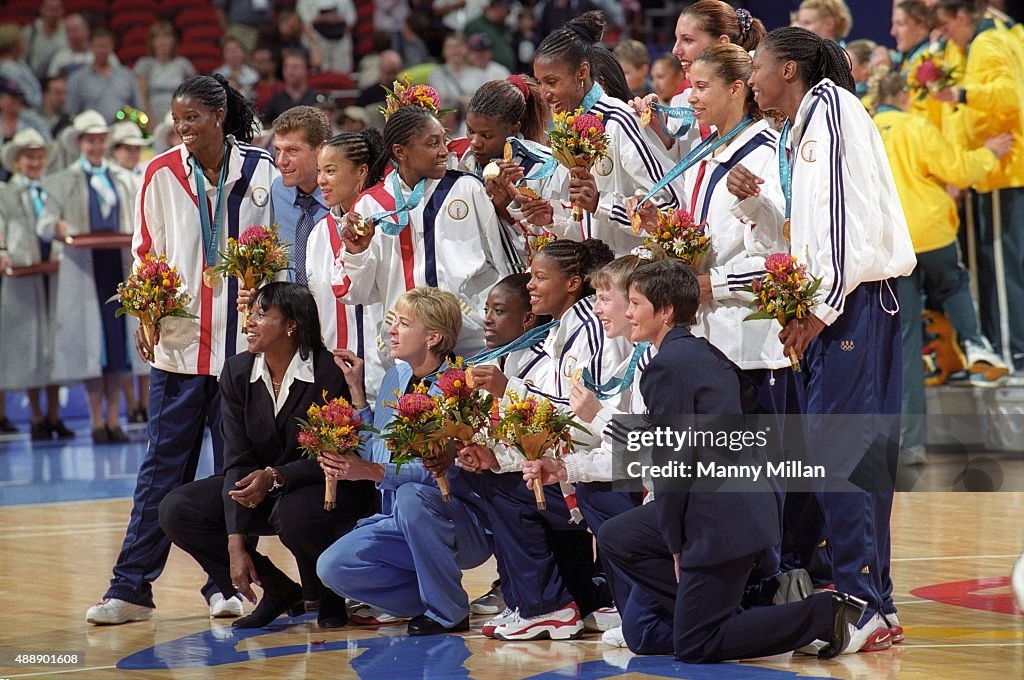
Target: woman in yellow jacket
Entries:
(990, 101)
(922, 164)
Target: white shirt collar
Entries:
(298, 369)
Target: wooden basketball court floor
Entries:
(64, 507)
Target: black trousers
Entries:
(708, 624)
(192, 516)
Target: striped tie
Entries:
(303, 229)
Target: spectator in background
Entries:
(911, 27)
(104, 86)
(162, 71)
(296, 91)
(332, 22)
(266, 64)
(409, 41)
(525, 40)
(76, 52)
(389, 15)
(45, 36)
(831, 19)
(635, 60)
(860, 52)
(370, 98)
(243, 18)
(455, 14)
(289, 33)
(15, 116)
(494, 24)
(456, 81)
(666, 77)
(369, 65)
(557, 13)
(55, 94)
(480, 55)
(353, 119)
(13, 66)
(241, 76)
(164, 136)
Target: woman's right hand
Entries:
(1000, 145)
(548, 470)
(643, 104)
(742, 183)
(353, 367)
(536, 211)
(243, 571)
(244, 298)
(144, 348)
(489, 378)
(354, 242)
(60, 230)
(476, 458)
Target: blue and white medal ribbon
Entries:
(616, 386)
(402, 207)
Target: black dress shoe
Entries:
(424, 625)
(846, 613)
(117, 435)
(40, 431)
(58, 428)
(332, 612)
(6, 426)
(100, 435)
(270, 608)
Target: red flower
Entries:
(779, 263)
(414, 405)
(252, 236)
(308, 441)
(452, 383)
(928, 72)
(587, 121)
(336, 413)
(421, 95)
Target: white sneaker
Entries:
(1017, 581)
(113, 611)
(602, 619)
(613, 637)
(490, 602)
(368, 615)
(986, 368)
(487, 630)
(221, 608)
(873, 636)
(562, 624)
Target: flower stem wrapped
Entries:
(254, 258)
(332, 427)
(578, 140)
(154, 290)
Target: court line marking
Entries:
(64, 672)
(71, 532)
(966, 644)
(953, 557)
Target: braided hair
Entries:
(578, 258)
(401, 127)
(214, 92)
(361, 148)
(606, 70)
(573, 43)
(818, 57)
(515, 99)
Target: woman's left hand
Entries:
(799, 333)
(583, 189)
(353, 367)
(547, 470)
(346, 467)
(583, 402)
(253, 488)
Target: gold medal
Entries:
(492, 171)
(645, 117)
(508, 152)
(636, 223)
(362, 227)
(577, 374)
(210, 277)
(469, 377)
(528, 192)
(786, 233)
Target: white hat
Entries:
(127, 133)
(27, 138)
(86, 123)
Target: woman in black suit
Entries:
(268, 487)
(692, 550)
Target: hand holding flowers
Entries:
(785, 293)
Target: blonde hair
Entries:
(438, 311)
(885, 87)
(615, 274)
(836, 10)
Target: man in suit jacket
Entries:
(692, 550)
(267, 486)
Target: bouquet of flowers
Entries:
(465, 412)
(931, 75)
(404, 93)
(254, 258)
(152, 292)
(415, 431)
(680, 238)
(534, 427)
(784, 293)
(578, 140)
(333, 427)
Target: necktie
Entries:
(100, 183)
(303, 228)
(38, 197)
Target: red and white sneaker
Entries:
(367, 615)
(602, 619)
(894, 628)
(873, 636)
(487, 630)
(563, 624)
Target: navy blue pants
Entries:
(599, 503)
(180, 408)
(854, 367)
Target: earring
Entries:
(290, 334)
(581, 84)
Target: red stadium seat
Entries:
(332, 81)
(210, 33)
(94, 6)
(195, 16)
(171, 8)
(122, 21)
(122, 6)
(131, 53)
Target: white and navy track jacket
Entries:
(848, 224)
(453, 242)
(348, 326)
(167, 223)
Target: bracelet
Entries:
(277, 485)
